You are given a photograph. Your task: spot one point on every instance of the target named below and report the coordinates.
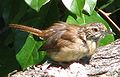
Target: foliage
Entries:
(40, 14)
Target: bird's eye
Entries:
(95, 29)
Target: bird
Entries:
(68, 42)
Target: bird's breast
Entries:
(72, 52)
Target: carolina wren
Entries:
(68, 42)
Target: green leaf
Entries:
(36, 4)
(94, 17)
(85, 19)
(89, 6)
(29, 54)
(107, 39)
(13, 9)
(47, 15)
(72, 20)
(20, 38)
(75, 6)
(20, 13)
(50, 13)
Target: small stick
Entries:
(107, 16)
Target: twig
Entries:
(107, 16)
(115, 11)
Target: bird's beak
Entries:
(108, 32)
